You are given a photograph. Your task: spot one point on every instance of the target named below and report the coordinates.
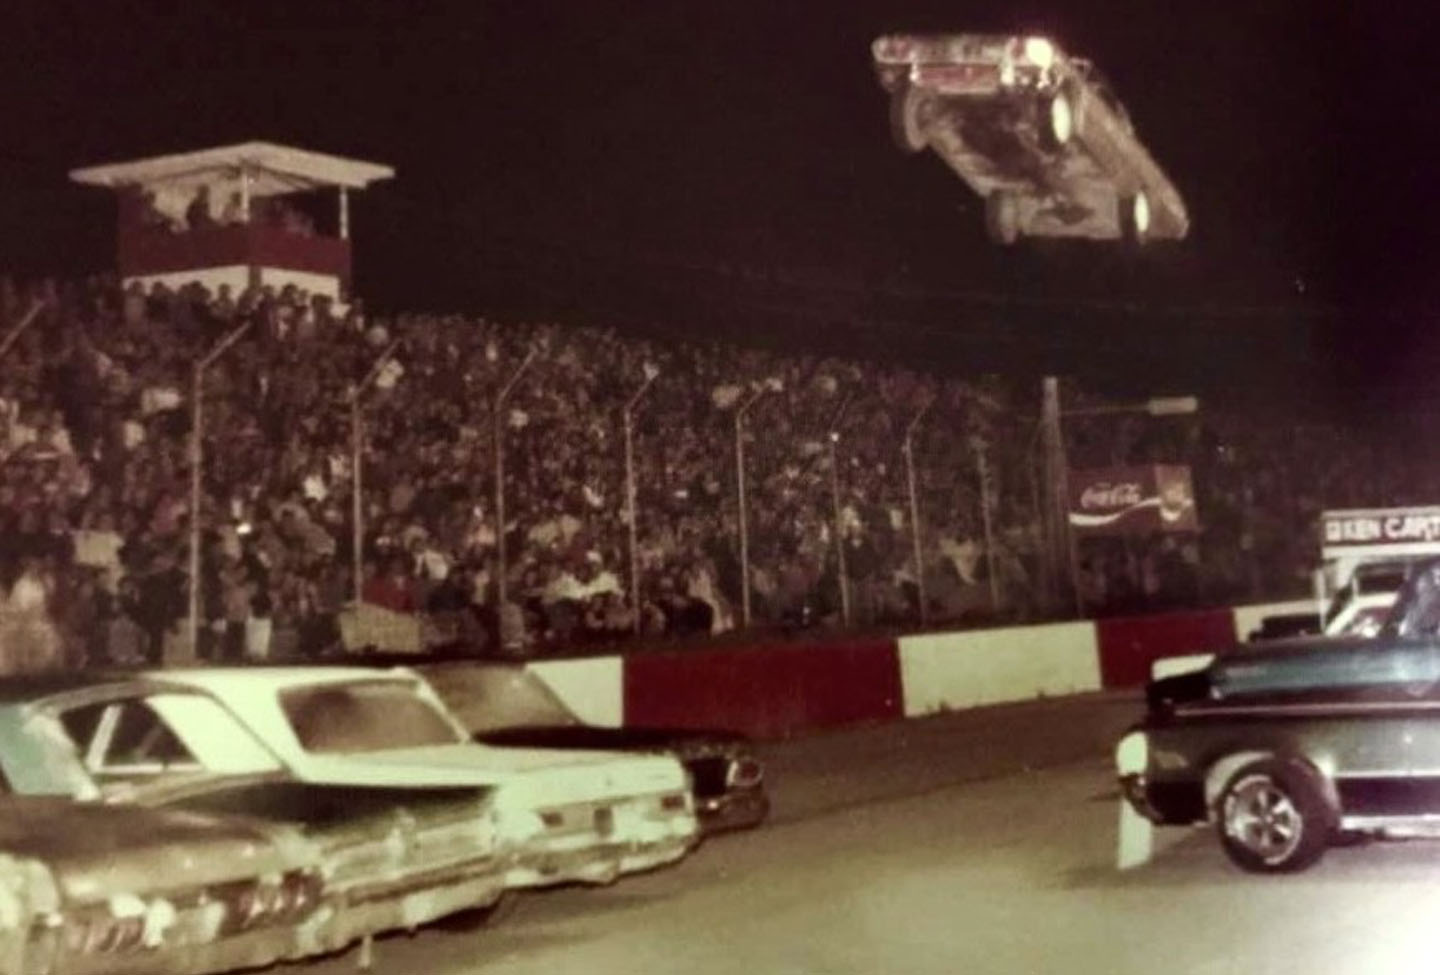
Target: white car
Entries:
(1037, 134)
(571, 815)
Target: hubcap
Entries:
(1140, 210)
(1261, 817)
(1062, 120)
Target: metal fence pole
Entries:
(983, 466)
(743, 526)
(628, 417)
(357, 467)
(197, 466)
(842, 574)
(909, 451)
(501, 567)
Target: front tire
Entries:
(1056, 122)
(1002, 217)
(1272, 817)
(908, 108)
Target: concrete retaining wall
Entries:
(778, 690)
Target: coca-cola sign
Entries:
(1129, 500)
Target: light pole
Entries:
(842, 575)
(197, 465)
(1051, 418)
(770, 385)
(357, 462)
(499, 435)
(909, 450)
(628, 416)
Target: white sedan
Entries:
(571, 815)
(1035, 133)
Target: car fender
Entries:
(1231, 762)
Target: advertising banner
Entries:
(1132, 500)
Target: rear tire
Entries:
(1135, 217)
(1272, 817)
(1002, 217)
(1055, 121)
(907, 118)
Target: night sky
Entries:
(726, 169)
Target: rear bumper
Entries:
(601, 863)
(740, 809)
(406, 905)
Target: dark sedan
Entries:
(505, 704)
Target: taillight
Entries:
(745, 772)
(673, 803)
(552, 819)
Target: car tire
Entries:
(1056, 120)
(1002, 217)
(907, 109)
(1135, 216)
(1272, 817)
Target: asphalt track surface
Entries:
(976, 842)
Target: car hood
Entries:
(97, 851)
(544, 776)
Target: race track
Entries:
(976, 842)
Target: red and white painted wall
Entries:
(774, 690)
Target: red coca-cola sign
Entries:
(1132, 500)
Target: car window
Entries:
(364, 717)
(505, 697)
(145, 738)
(125, 738)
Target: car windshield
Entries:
(364, 717)
(1417, 612)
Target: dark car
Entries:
(1289, 746)
(510, 705)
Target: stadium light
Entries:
(1172, 405)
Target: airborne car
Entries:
(1037, 134)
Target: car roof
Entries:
(261, 679)
(26, 688)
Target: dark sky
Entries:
(725, 167)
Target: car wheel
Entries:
(1056, 124)
(1272, 817)
(907, 108)
(1135, 217)
(1002, 217)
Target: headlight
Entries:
(1040, 52)
(1132, 754)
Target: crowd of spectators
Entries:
(95, 402)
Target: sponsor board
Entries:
(1132, 500)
